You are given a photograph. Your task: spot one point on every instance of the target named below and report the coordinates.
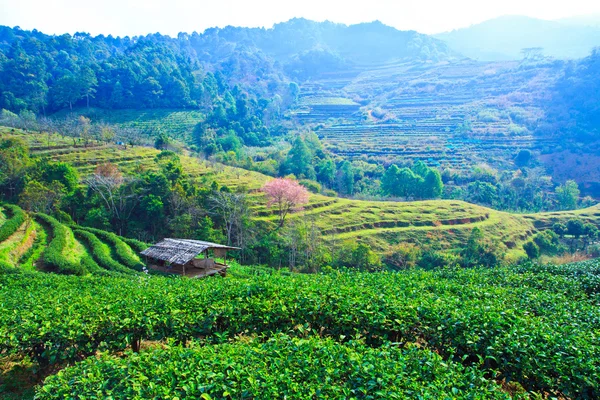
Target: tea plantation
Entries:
(478, 333)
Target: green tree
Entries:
(420, 168)
(14, 163)
(532, 250)
(345, 178)
(88, 83)
(568, 195)
(480, 251)
(575, 228)
(390, 181)
(61, 172)
(66, 91)
(325, 171)
(299, 160)
(482, 193)
(560, 229)
(433, 186)
(38, 198)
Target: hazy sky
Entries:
(134, 17)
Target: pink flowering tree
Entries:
(286, 195)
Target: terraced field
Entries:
(382, 224)
(39, 242)
(446, 114)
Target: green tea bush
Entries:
(53, 254)
(13, 223)
(34, 252)
(100, 252)
(281, 367)
(521, 324)
(124, 253)
(135, 244)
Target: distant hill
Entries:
(582, 20)
(307, 48)
(503, 38)
(43, 72)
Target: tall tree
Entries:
(345, 178)
(568, 195)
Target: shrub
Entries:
(517, 323)
(135, 244)
(280, 367)
(100, 252)
(532, 250)
(13, 223)
(549, 242)
(53, 254)
(403, 256)
(312, 186)
(34, 252)
(124, 253)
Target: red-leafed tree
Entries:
(286, 195)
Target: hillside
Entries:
(39, 242)
(372, 94)
(444, 223)
(452, 115)
(503, 38)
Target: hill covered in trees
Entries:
(46, 73)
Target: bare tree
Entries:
(118, 193)
(233, 209)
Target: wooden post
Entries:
(183, 269)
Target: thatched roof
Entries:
(181, 251)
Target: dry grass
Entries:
(567, 258)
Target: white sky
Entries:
(135, 17)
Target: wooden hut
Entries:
(180, 256)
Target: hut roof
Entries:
(181, 251)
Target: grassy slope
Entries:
(382, 224)
(178, 123)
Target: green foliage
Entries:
(345, 178)
(299, 161)
(516, 323)
(576, 227)
(480, 251)
(53, 255)
(280, 367)
(312, 186)
(28, 259)
(17, 219)
(123, 252)
(560, 229)
(532, 250)
(482, 192)
(548, 242)
(136, 245)
(403, 256)
(523, 157)
(418, 182)
(360, 256)
(568, 195)
(101, 252)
